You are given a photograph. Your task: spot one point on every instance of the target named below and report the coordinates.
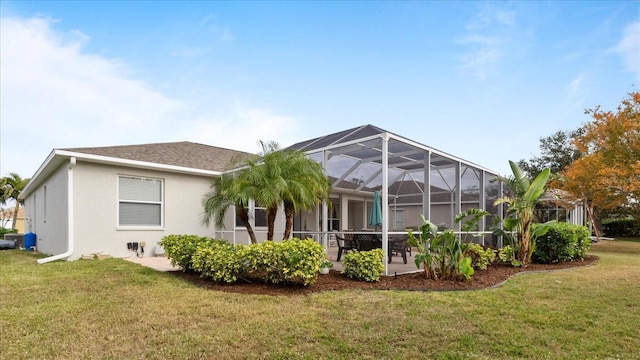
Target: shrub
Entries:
(562, 242)
(507, 256)
(4, 231)
(180, 249)
(621, 227)
(481, 258)
(364, 265)
(583, 244)
(288, 261)
(219, 260)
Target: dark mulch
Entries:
(494, 275)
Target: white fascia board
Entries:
(33, 182)
(135, 163)
(57, 157)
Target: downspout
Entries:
(72, 164)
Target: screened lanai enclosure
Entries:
(411, 179)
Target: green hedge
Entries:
(364, 265)
(288, 261)
(219, 260)
(180, 248)
(621, 227)
(291, 261)
(563, 242)
(4, 231)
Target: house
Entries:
(6, 219)
(104, 199)
(96, 200)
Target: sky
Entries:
(480, 80)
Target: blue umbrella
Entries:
(375, 218)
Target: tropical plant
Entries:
(441, 254)
(227, 191)
(286, 177)
(12, 186)
(521, 201)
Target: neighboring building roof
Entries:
(183, 154)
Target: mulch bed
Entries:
(494, 275)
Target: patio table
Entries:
(365, 242)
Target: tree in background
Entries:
(12, 186)
(556, 153)
(3, 183)
(607, 175)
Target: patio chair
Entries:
(399, 246)
(345, 244)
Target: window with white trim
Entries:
(140, 202)
(259, 216)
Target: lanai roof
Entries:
(354, 162)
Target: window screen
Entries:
(259, 217)
(139, 201)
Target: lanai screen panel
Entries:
(354, 165)
(470, 186)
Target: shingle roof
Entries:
(184, 154)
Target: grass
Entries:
(113, 309)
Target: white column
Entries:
(426, 197)
(344, 212)
(385, 201)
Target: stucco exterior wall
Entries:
(46, 212)
(96, 210)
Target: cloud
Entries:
(629, 48)
(241, 127)
(54, 94)
(489, 37)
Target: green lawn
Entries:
(113, 309)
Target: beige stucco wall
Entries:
(96, 210)
(46, 213)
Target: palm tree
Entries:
(3, 183)
(12, 186)
(521, 207)
(307, 185)
(227, 191)
(277, 177)
(290, 178)
(265, 175)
